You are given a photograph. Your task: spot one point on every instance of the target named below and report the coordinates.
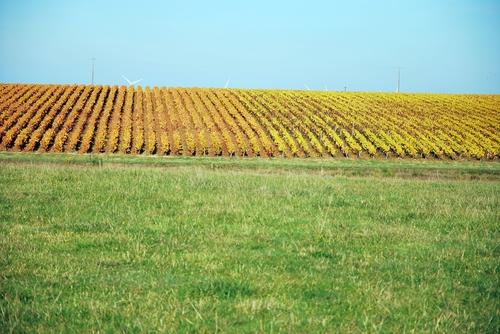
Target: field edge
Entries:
(438, 169)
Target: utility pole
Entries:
(399, 79)
(93, 65)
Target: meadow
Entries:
(117, 243)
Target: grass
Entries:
(347, 167)
(114, 243)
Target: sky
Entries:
(441, 46)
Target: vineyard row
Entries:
(230, 122)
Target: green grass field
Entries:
(138, 244)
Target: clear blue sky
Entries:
(441, 45)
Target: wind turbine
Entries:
(227, 83)
(307, 87)
(131, 83)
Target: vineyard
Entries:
(231, 122)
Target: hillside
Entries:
(228, 122)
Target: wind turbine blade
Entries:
(136, 81)
(126, 79)
(227, 83)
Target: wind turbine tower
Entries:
(93, 65)
(399, 79)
